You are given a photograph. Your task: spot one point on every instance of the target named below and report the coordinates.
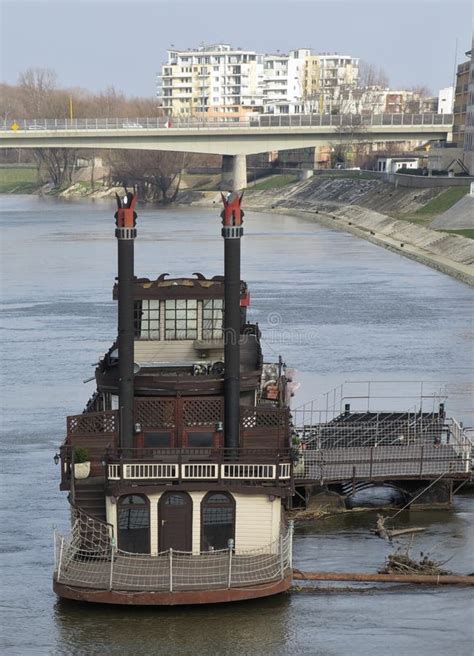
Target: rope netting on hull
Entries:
(89, 558)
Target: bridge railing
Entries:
(341, 121)
(381, 463)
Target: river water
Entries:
(337, 308)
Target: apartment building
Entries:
(283, 82)
(216, 81)
(469, 125)
(446, 100)
(461, 93)
(224, 82)
(326, 78)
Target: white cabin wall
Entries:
(197, 497)
(154, 350)
(257, 520)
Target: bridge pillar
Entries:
(234, 172)
(305, 174)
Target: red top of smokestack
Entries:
(126, 216)
(232, 215)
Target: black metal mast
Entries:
(125, 220)
(232, 232)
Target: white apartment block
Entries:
(216, 80)
(221, 81)
(446, 100)
(283, 82)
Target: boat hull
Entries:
(178, 598)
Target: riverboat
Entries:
(179, 469)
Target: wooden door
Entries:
(175, 521)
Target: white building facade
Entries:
(446, 100)
(219, 81)
(216, 81)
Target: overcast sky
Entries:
(100, 43)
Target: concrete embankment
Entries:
(451, 254)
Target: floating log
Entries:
(448, 579)
(403, 531)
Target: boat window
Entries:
(218, 519)
(134, 524)
(181, 319)
(212, 313)
(146, 319)
(200, 439)
(157, 439)
(175, 500)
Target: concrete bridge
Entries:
(233, 139)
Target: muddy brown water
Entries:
(337, 308)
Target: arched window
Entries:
(217, 520)
(134, 524)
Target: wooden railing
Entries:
(199, 464)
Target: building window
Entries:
(146, 319)
(200, 439)
(212, 316)
(157, 440)
(134, 524)
(181, 319)
(217, 520)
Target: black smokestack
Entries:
(125, 220)
(232, 232)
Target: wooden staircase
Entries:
(90, 496)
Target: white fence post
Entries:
(171, 569)
(229, 577)
(112, 558)
(55, 555)
(282, 561)
(291, 528)
(60, 558)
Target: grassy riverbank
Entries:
(19, 180)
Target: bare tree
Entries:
(155, 175)
(418, 94)
(371, 76)
(349, 146)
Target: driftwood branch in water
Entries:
(403, 531)
(387, 534)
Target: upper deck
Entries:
(179, 339)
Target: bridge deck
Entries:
(423, 460)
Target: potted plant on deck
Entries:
(82, 463)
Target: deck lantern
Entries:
(56, 458)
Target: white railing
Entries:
(461, 442)
(84, 559)
(248, 472)
(256, 121)
(199, 471)
(382, 462)
(285, 470)
(208, 471)
(150, 470)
